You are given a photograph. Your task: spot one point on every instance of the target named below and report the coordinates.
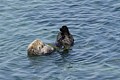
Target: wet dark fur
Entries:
(64, 38)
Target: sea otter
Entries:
(64, 41)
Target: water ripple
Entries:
(93, 23)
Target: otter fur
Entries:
(37, 47)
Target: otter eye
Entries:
(42, 46)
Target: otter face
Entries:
(35, 47)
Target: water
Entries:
(95, 25)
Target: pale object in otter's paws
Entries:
(37, 47)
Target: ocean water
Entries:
(95, 25)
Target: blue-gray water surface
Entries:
(95, 25)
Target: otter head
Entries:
(64, 30)
(37, 47)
